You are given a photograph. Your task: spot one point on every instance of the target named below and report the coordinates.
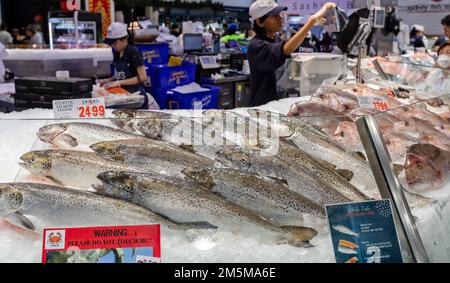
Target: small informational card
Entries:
(79, 108)
(364, 232)
(121, 244)
(373, 102)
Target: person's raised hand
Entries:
(323, 11)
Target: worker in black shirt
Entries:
(129, 68)
(267, 52)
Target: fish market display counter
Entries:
(89, 62)
(237, 195)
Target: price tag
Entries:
(79, 108)
(373, 102)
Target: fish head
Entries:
(347, 133)
(253, 113)
(39, 162)
(235, 158)
(214, 113)
(116, 184)
(200, 175)
(109, 149)
(123, 114)
(422, 173)
(11, 199)
(151, 128)
(50, 132)
(123, 118)
(262, 114)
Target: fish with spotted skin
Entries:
(301, 181)
(71, 168)
(80, 135)
(268, 197)
(182, 200)
(128, 119)
(320, 146)
(157, 155)
(39, 206)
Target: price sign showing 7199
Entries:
(373, 102)
(380, 105)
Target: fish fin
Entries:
(347, 174)
(19, 219)
(360, 155)
(398, 169)
(328, 164)
(99, 189)
(279, 181)
(298, 236)
(203, 225)
(54, 180)
(289, 142)
(219, 194)
(73, 142)
(187, 147)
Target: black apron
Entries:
(122, 71)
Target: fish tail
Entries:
(299, 236)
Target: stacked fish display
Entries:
(262, 170)
(416, 133)
(144, 173)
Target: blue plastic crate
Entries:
(206, 99)
(154, 53)
(165, 77)
(160, 95)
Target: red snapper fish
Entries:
(427, 168)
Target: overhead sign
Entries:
(424, 12)
(307, 7)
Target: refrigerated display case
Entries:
(426, 79)
(408, 150)
(421, 220)
(67, 28)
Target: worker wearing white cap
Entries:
(417, 36)
(266, 52)
(129, 68)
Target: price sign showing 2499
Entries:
(91, 111)
(79, 108)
